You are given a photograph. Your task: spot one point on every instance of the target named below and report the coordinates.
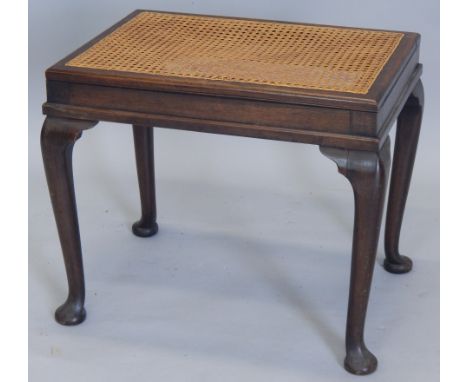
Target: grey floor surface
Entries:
(247, 279)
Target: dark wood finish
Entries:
(276, 115)
(345, 128)
(144, 154)
(351, 129)
(58, 137)
(385, 124)
(406, 142)
(353, 142)
(328, 118)
(367, 173)
(401, 64)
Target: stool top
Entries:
(211, 51)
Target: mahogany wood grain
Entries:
(144, 154)
(351, 141)
(368, 174)
(406, 143)
(58, 137)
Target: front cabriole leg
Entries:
(367, 173)
(58, 137)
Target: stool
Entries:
(335, 87)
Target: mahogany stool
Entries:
(336, 87)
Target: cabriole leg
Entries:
(406, 142)
(58, 137)
(367, 173)
(144, 154)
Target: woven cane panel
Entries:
(280, 54)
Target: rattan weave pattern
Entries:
(280, 54)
